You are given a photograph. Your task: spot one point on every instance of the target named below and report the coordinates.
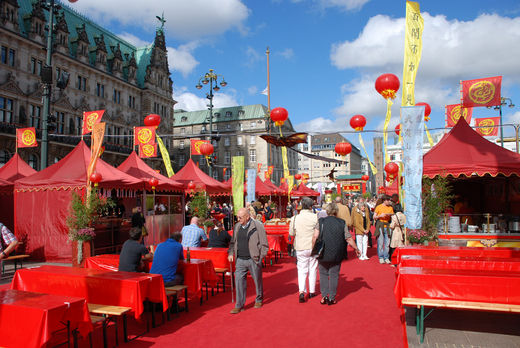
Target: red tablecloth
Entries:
(109, 262)
(454, 251)
(461, 262)
(196, 273)
(219, 256)
(277, 242)
(28, 319)
(127, 289)
(458, 285)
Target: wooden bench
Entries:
(16, 259)
(173, 291)
(420, 303)
(110, 313)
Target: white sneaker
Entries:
(387, 261)
(381, 261)
(365, 258)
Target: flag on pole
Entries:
(481, 92)
(489, 124)
(453, 114)
(196, 144)
(165, 156)
(414, 26)
(144, 135)
(98, 133)
(90, 118)
(237, 174)
(265, 91)
(26, 137)
(148, 150)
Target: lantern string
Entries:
(389, 103)
(374, 169)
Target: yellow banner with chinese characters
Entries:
(412, 51)
(165, 156)
(237, 174)
(374, 169)
(286, 172)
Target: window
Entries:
(228, 113)
(181, 144)
(72, 126)
(226, 141)
(227, 157)
(253, 124)
(183, 130)
(241, 113)
(392, 157)
(239, 140)
(228, 127)
(182, 160)
(252, 155)
(217, 114)
(214, 143)
(60, 122)
(82, 83)
(6, 109)
(35, 116)
(227, 175)
(100, 90)
(131, 101)
(33, 161)
(240, 127)
(215, 127)
(239, 153)
(252, 140)
(4, 157)
(116, 98)
(36, 66)
(184, 118)
(7, 56)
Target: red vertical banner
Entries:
(90, 118)
(453, 113)
(338, 188)
(482, 92)
(148, 150)
(26, 137)
(144, 135)
(488, 126)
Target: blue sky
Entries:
(325, 54)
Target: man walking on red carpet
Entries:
(248, 246)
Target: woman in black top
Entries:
(218, 237)
(335, 235)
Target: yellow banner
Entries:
(165, 156)
(412, 51)
(389, 103)
(286, 172)
(374, 169)
(430, 140)
(237, 173)
(290, 184)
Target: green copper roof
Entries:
(245, 112)
(348, 176)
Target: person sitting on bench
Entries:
(133, 252)
(166, 259)
(8, 240)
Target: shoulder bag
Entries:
(319, 246)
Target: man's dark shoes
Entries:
(236, 310)
(312, 294)
(324, 300)
(332, 302)
(302, 297)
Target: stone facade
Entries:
(105, 72)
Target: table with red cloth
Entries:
(219, 256)
(127, 289)
(499, 287)
(461, 262)
(454, 251)
(277, 242)
(28, 319)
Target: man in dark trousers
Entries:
(248, 246)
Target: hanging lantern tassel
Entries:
(374, 169)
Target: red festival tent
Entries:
(42, 201)
(276, 190)
(16, 168)
(303, 190)
(137, 168)
(464, 152)
(190, 172)
(261, 188)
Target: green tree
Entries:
(436, 199)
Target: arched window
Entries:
(34, 161)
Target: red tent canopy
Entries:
(261, 189)
(228, 183)
(465, 152)
(16, 168)
(71, 173)
(284, 188)
(276, 189)
(190, 172)
(303, 190)
(137, 168)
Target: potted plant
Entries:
(84, 211)
(436, 199)
(418, 236)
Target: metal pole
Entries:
(210, 116)
(47, 88)
(501, 126)
(516, 136)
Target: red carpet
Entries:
(366, 314)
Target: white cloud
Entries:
(134, 40)
(191, 102)
(252, 56)
(181, 59)
(252, 90)
(184, 19)
(287, 53)
(346, 5)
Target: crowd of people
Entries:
(320, 238)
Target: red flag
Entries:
(259, 168)
(90, 118)
(453, 114)
(195, 146)
(490, 125)
(481, 92)
(148, 150)
(26, 137)
(270, 170)
(224, 172)
(144, 135)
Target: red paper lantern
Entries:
(297, 176)
(191, 185)
(73, 0)
(279, 116)
(206, 149)
(96, 178)
(153, 182)
(365, 177)
(381, 189)
(398, 129)
(391, 168)
(343, 149)
(387, 85)
(427, 110)
(152, 120)
(358, 122)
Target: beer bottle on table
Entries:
(188, 256)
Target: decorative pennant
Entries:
(90, 118)
(148, 150)
(26, 137)
(144, 135)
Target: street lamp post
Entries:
(211, 78)
(503, 102)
